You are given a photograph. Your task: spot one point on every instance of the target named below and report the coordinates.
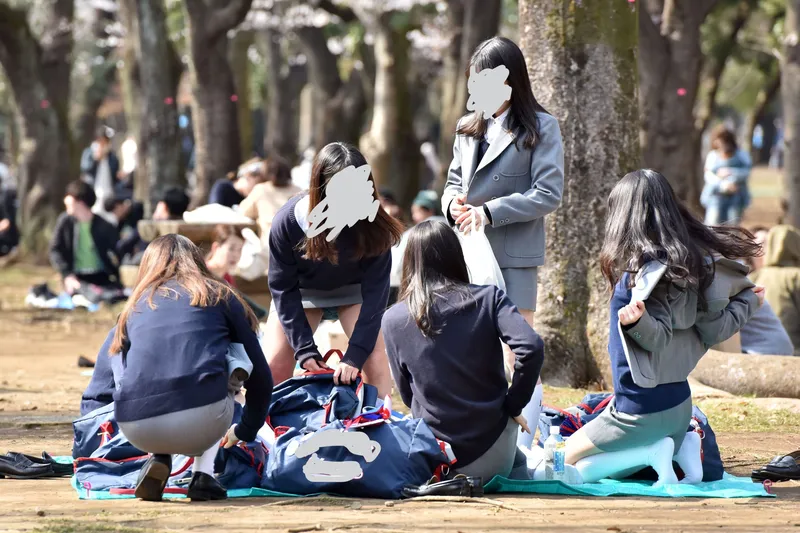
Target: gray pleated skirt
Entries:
(522, 286)
(329, 301)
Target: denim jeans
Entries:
(724, 211)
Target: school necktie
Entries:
(483, 146)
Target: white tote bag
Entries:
(481, 263)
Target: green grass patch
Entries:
(740, 414)
(71, 526)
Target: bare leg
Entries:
(279, 354)
(376, 368)
(534, 407)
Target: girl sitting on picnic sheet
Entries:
(649, 228)
(443, 339)
(312, 278)
(172, 371)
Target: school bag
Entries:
(592, 405)
(370, 456)
(240, 466)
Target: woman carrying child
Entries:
(312, 278)
(444, 338)
(507, 173)
(170, 364)
(698, 296)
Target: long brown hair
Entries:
(278, 171)
(371, 238)
(174, 257)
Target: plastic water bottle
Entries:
(554, 455)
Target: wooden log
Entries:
(743, 374)
(200, 234)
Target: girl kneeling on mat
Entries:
(172, 375)
(654, 344)
(317, 277)
(443, 339)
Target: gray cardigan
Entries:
(673, 334)
(518, 187)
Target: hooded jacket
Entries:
(673, 334)
(780, 276)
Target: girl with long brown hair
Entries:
(312, 278)
(170, 359)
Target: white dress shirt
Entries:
(496, 126)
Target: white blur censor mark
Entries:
(488, 90)
(318, 470)
(349, 197)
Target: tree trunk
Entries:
(285, 83)
(160, 73)
(339, 106)
(583, 64)
(757, 113)
(214, 109)
(39, 74)
(790, 92)
(670, 62)
(240, 65)
(102, 75)
(131, 85)
(470, 22)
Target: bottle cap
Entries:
(555, 430)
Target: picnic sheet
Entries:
(729, 487)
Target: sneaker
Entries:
(204, 488)
(153, 478)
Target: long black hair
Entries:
(433, 264)
(522, 119)
(646, 221)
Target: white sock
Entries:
(531, 414)
(205, 462)
(605, 465)
(688, 458)
(572, 475)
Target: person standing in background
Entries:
(725, 193)
(100, 167)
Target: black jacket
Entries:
(62, 247)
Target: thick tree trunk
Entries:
(670, 62)
(39, 74)
(790, 91)
(339, 106)
(102, 73)
(470, 23)
(160, 71)
(583, 64)
(284, 85)
(758, 112)
(130, 82)
(214, 109)
(240, 64)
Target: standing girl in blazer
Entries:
(702, 297)
(311, 279)
(507, 173)
(171, 369)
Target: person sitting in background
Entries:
(725, 194)
(115, 210)
(390, 205)
(425, 207)
(445, 328)
(266, 198)
(780, 276)
(226, 250)
(83, 248)
(100, 167)
(233, 190)
(172, 205)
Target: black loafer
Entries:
(85, 362)
(58, 469)
(17, 466)
(460, 485)
(153, 478)
(204, 488)
(781, 468)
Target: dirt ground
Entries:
(41, 385)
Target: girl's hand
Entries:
(760, 292)
(230, 439)
(464, 222)
(345, 374)
(724, 172)
(457, 206)
(523, 424)
(315, 365)
(631, 313)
